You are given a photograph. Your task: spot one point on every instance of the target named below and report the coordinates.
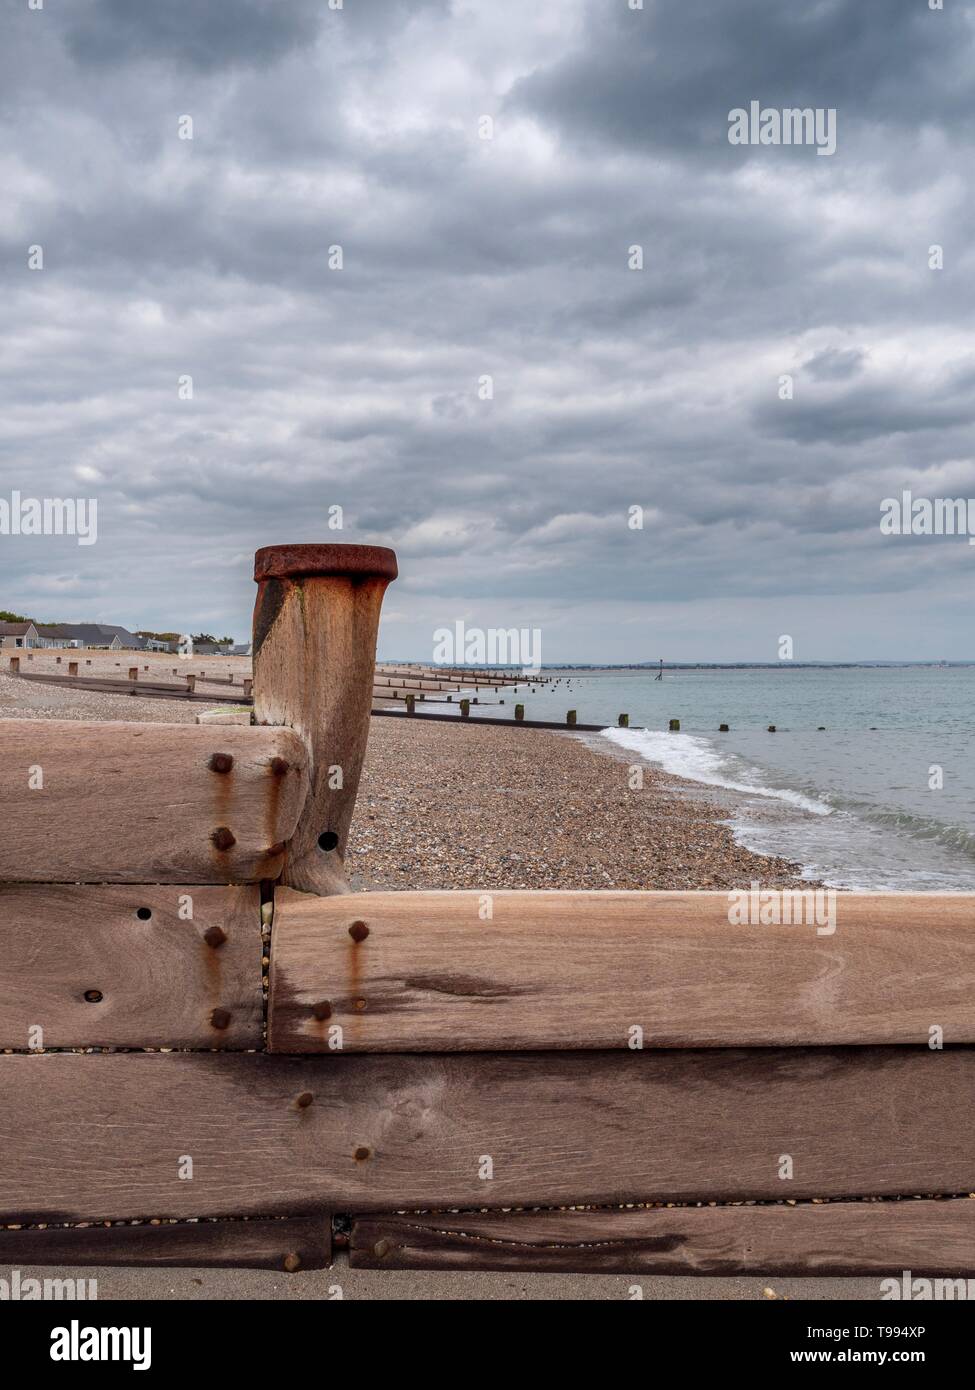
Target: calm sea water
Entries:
(857, 805)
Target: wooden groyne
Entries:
(591, 1081)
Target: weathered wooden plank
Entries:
(315, 624)
(840, 1238)
(107, 1136)
(137, 803)
(287, 1243)
(127, 966)
(582, 970)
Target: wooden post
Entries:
(133, 673)
(15, 664)
(248, 685)
(315, 625)
(411, 704)
(72, 668)
(624, 721)
(190, 684)
(519, 712)
(674, 726)
(722, 728)
(465, 709)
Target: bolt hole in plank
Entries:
(143, 913)
(93, 996)
(328, 840)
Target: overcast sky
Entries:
(466, 257)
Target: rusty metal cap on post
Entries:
(306, 561)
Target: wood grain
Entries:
(580, 970)
(835, 1238)
(103, 1136)
(162, 979)
(286, 1243)
(138, 803)
(315, 624)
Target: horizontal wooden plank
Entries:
(839, 1238)
(583, 970)
(286, 1243)
(137, 803)
(127, 966)
(107, 1135)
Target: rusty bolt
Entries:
(304, 1100)
(322, 1010)
(223, 838)
(358, 931)
(221, 762)
(292, 1262)
(359, 1005)
(279, 766)
(220, 1018)
(214, 936)
(362, 1153)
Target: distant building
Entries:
(212, 648)
(18, 635)
(84, 635)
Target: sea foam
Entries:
(693, 757)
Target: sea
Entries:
(868, 781)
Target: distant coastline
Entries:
(714, 665)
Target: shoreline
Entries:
(442, 807)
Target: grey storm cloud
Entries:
(200, 36)
(671, 79)
(467, 258)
